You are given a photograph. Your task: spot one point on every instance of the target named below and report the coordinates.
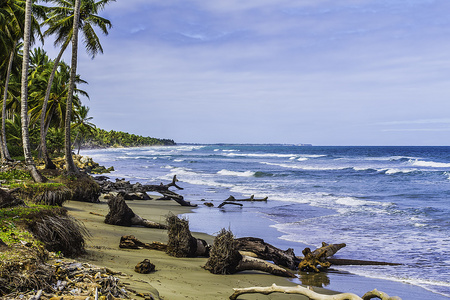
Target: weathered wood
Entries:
(377, 294)
(181, 243)
(311, 261)
(329, 249)
(120, 214)
(356, 262)
(266, 251)
(252, 198)
(131, 242)
(228, 202)
(318, 257)
(138, 191)
(309, 292)
(248, 263)
(225, 259)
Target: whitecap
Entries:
(431, 164)
(236, 173)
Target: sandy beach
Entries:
(175, 278)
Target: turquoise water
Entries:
(386, 203)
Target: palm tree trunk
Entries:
(24, 96)
(70, 166)
(48, 162)
(5, 152)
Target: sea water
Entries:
(386, 203)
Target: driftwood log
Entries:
(120, 214)
(228, 202)
(308, 292)
(131, 242)
(318, 257)
(139, 191)
(252, 198)
(181, 243)
(225, 259)
(263, 250)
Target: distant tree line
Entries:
(100, 138)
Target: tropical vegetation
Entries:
(43, 113)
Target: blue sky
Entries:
(347, 72)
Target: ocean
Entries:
(386, 203)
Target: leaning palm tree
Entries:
(83, 125)
(24, 96)
(61, 24)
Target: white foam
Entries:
(302, 167)
(431, 164)
(260, 155)
(178, 160)
(236, 173)
(397, 171)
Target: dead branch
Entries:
(308, 292)
(228, 202)
(252, 198)
(376, 294)
(292, 290)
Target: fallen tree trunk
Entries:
(356, 262)
(225, 259)
(266, 251)
(308, 292)
(252, 198)
(120, 214)
(181, 242)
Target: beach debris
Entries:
(266, 251)
(228, 202)
(225, 259)
(7, 199)
(131, 242)
(61, 233)
(136, 191)
(120, 214)
(209, 204)
(309, 292)
(318, 257)
(181, 243)
(311, 261)
(144, 267)
(252, 198)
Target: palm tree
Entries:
(12, 31)
(83, 125)
(61, 24)
(70, 166)
(24, 96)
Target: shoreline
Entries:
(175, 278)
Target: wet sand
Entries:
(175, 278)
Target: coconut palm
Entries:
(83, 125)
(24, 95)
(61, 24)
(14, 12)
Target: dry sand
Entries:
(175, 278)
